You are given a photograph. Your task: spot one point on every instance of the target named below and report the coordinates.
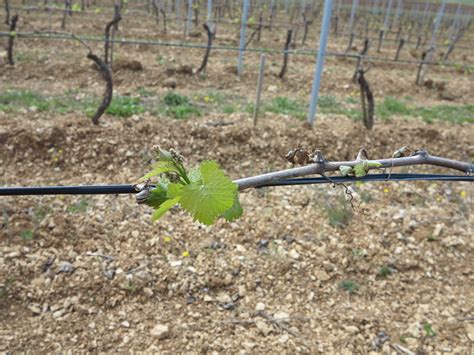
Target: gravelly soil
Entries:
(94, 274)
(269, 281)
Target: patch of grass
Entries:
(11, 100)
(125, 106)
(428, 328)
(174, 99)
(385, 271)
(391, 106)
(285, 106)
(228, 109)
(339, 212)
(349, 286)
(144, 92)
(78, 207)
(27, 235)
(352, 100)
(450, 113)
(179, 106)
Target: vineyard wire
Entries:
(228, 48)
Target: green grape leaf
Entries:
(161, 167)
(346, 170)
(164, 207)
(174, 190)
(359, 170)
(157, 196)
(194, 175)
(209, 197)
(235, 211)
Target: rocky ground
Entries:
(300, 271)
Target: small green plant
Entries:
(27, 235)
(125, 106)
(228, 109)
(428, 328)
(179, 106)
(385, 271)
(349, 286)
(174, 99)
(78, 207)
(11, 100)
(143, 92)
(339, 212)
(205, 192)
(391, 106)
(285, 106)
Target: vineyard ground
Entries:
(300, 271)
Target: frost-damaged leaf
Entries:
(235, 211)
(161, 167)
(164, 207)
(210, 196)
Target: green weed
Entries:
(125, 106)
(349, 286)
(78, 207)
(179, 106)
(27, 235)
(11, 100)
(385, 271)
(428, 328)
(339, 212)
(450, 113)
(391, 106)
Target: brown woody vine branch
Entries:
(208, 49)
(419, 158)
(11, 39)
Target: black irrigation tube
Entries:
(131, 189)
(216, 47)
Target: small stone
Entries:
(176, 263)
(208, 298)
(281, 316)
(135, 234)
(56, 307)
(352, 329)
(322, 275)
(91, 325)
(437, 230)
(66, 267)
(38, 281)
(242, 291)
(59, 313)
(470, 331)
(35, 308)
(260, 307)
(148, 291)
(125, 324)
(414, 330)
(160, 331)
(283, 339)
(170, 83)
(294, 254)
(263, 327)
(224, 298)
(12, 255)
